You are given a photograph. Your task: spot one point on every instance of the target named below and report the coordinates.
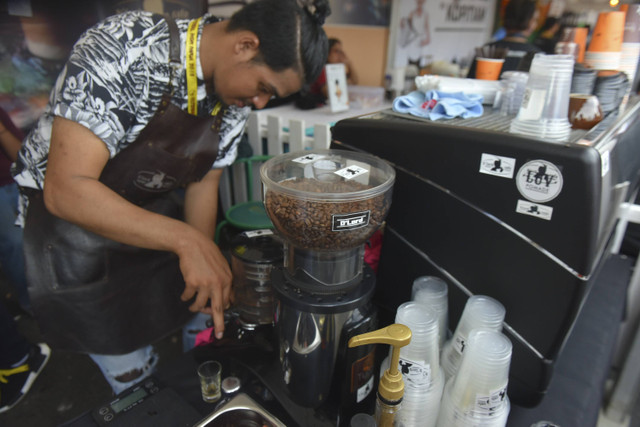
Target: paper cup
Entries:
(584, 111)
(608, 32)
(488, 68)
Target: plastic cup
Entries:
(433, 291)
(576, 35)
(480, 312)
(488, 68)
(450, 415)
(420, 366)
(481, 382)
(545, 105)
(209, 373)
(420, 359)
(567, 48)
(420, 406)
(477, 394)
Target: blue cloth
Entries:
(11, 255)
(436, 105)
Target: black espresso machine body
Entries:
(522, 220)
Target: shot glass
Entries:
(209, 373)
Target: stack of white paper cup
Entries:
(544, 110)
(420, 366)
(477, 394)
(433, 292)
(480, 312)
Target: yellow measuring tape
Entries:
(192, 78)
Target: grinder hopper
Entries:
(325, 204)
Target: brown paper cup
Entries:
(608, 32)
(488, 68)
(584, 111)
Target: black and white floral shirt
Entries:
(113, 83)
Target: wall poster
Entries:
(423, 31)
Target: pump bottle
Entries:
(391, 386)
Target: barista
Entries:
(146, 107)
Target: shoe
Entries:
(16, 382)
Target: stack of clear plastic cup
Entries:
(514, 84)
(480, 312)
(545, 105)
(420, 366)
(477, 394)
(433, 291)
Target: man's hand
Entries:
(206, 275)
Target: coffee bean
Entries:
(308, 223)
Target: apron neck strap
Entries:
(174, 51)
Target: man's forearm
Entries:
(201, 203)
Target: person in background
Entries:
(520, 21)
(119, 177)
(548, 35)
(20, 361)
(11, 255)
(317, 95)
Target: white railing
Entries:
(280, 137)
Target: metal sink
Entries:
(241, 411)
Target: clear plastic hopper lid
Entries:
(327, 200)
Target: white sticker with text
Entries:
(539, 181)
(534, 209)
(309, 158)
(497, 165)
(351, 172)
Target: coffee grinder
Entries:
(324, 205)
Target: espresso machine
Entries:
(324, 205)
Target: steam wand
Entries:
(391, 386)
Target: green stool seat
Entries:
(249, 216)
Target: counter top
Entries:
(573, 398)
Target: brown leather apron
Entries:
(92, 294)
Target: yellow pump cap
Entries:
(391, 386)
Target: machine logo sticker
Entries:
(539, 181)
(345, 222)
(534, 209)
(497, 165)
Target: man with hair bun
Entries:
(120, 175)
